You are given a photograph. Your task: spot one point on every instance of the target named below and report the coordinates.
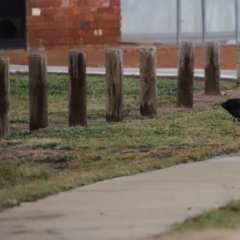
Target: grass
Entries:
(224, 217)
(36, 164)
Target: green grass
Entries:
(224, 217)
(36, 164)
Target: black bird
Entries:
(233, 107)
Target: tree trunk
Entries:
(185, 75)
(148, 81)
(114, 85)
(77, 89)
(4, 97)
(38, 92)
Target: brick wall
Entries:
(54, 24)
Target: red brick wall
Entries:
(69, 23)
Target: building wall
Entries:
(54, 24)
(159, 17)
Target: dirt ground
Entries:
(167, 57)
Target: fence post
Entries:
(179, 21)
(38, 92)
(237, 21)
(114, 85)
(238, 64)
(186, 54)
(212, 68)
(203, 21)
(148, 81)
(77, 89)
(4, 97)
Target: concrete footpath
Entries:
(161, 72)
(133, 207)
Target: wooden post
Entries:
(238, 64)
(4, 97)
(114, 85)
(148, 81)
(38, 92)
(186, 54)
(77, 89)
(212, 68)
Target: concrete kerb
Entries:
(227, 75)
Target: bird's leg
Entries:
(234, 127)
(238, 121)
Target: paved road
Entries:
(127, 208)
(168, 72)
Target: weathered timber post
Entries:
(4, 97)
(38, 92)
(114, 85)
(186, 54)
(77, 89)
(238, 64)
(212, 68)
(148, 81)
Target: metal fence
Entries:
(171, 22)
(204, 23)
